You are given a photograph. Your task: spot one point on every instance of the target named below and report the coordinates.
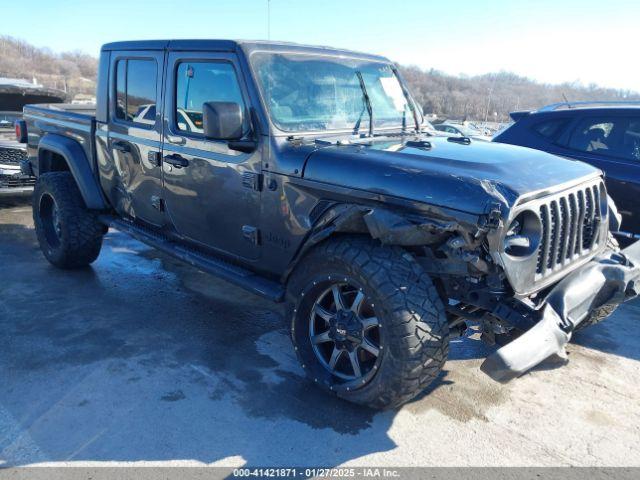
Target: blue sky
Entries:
(590, 41)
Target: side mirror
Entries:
(222, 120)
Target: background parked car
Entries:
(462, 131)
(11, 152)
(606, 135)
(14, 94)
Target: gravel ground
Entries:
(141, 360)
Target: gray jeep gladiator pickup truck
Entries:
(303, 174)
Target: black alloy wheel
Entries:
(345, 333)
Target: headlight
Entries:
(523, 235)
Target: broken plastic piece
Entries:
(606, 280)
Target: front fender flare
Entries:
(377, 222)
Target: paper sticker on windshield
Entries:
(392, 88)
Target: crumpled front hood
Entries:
(465, 177)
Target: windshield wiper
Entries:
(410, 101)
(367, 102)
(356, 127)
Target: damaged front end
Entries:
(564, 269)
(538, 267)
(605, 281)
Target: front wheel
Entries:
(367, 322)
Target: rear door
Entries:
(211, 193)
(135, 134)
(611, 143)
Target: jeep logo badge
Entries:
(341, 331)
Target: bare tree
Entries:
(490, 96)
(74, 72)
(494, 95)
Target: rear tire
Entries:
(398, 333)
(70, 235)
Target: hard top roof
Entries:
(232, 46)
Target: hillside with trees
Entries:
(491, 96)
(72, 72)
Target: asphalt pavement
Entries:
(140, 360)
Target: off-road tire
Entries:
(76, 240)
(600, 313)
(412, 318)
(596, 316)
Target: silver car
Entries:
(12, 180)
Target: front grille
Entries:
(570, 225)
(11, 181)
(12, 155)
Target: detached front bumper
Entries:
(608, 279)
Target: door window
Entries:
(201, 82)
(614, 137)
(592, 135)
(136, 90)
(550, 128)
(630, 148)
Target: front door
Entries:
(135, 135)
(211, 192)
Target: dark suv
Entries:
(606, 135)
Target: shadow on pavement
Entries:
(9, 201)
(141, 358)
(617, 334)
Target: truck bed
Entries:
(65, 119)
(81, 113)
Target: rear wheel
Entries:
(367, 322)
(70, 235)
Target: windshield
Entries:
(309, 92)
(7, 119)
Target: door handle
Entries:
(176, 160)
(121, 147)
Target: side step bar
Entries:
(207, 263)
